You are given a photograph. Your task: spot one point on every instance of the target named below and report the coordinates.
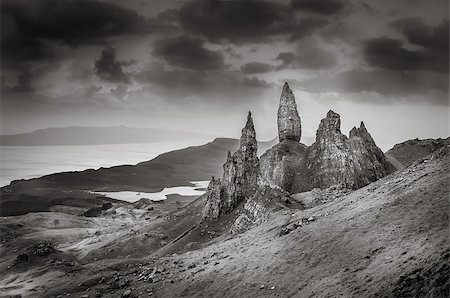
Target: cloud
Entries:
(307, 56)
(389, 53)
(76, 22)
(23, 84)
(188, 52)
(256, 67)
(325, 7)
(418, 33)
(109, 69)
(241, 22)
(431, 87)
(177, 84)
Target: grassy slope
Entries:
(388, 239)
(404, 154)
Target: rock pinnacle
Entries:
(289, 123)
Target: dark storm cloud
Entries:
(180, 83)
(256, 67)
(431, 87)
(109, 69)
(418, 33)
(244, 21)
(188, 52)
(390, 53)
(326, 7)
(30, 28)
(76, 22)
(17, 52)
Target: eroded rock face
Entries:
(240, 176)
(335, 159)
(283, 164)
(260, 206)
(289, 124)
(214, 203)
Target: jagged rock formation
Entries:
(335, 159)
(240, 176)
(289, 124)
(290, 167)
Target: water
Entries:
(25, 162)
(132, 196)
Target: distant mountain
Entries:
(404, 154)
(84, 135)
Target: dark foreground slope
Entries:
(388, 239)
(175, 168)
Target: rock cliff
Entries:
(240, 176)
(290, 167)
(335, 159)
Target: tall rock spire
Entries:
(289, 123)
(248, 143)
(240, 176)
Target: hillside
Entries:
(404, 154)
(84, 135)
(196, 163)
(388, 239)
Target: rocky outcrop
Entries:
(284, 164)
(335, 159)
(289, 124)
(281, 164)
(240, 176)
(261, 205)
(290, 167)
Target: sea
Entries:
(26, 162)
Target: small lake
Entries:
(132, 196)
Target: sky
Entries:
(201, 65)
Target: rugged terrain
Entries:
(404, 154)
(389, 238)
(332, 219)
(175, 168)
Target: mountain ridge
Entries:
(87, 135)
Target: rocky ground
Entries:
(388, 239)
